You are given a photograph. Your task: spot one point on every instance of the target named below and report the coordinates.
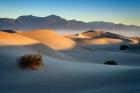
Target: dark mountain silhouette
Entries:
(30, 22)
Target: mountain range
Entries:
(30, 22)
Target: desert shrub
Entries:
(123, 47)
(110, 62)
(30, 61)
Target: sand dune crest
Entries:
(51, 38)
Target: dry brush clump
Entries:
(123, 47)
(30, 61)
(110, 62)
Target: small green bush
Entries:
(30, 61)
(123, 47)
(110, 62)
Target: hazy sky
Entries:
(117, 11)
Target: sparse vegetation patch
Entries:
(123, 47)
(110, 62)
(30, 61)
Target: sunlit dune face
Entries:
(70, 36)
(97, 41)
(94, 38)
(50, 38)
(135, 39)
(14, 39)
(101, 41)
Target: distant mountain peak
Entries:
(26, 16)
(30, 22)
(53, 16)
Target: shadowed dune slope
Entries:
(51, 38)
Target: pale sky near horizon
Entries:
(117, 11)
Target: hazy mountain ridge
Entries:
(30, 22)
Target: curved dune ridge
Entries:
(99, 37)
(86, 35)
(100, 34)
(91, 34)
(51, 38)
(15, 39)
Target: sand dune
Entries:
(99, 46)
(9, 40)
(135, 39)
(98, 38)
(51, 38)
(14, 39)
(84, 40)
(101, 41)
(91, 34)
(101, 34)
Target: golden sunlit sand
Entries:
(15, 39)
(51, 38)
(101, 41)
